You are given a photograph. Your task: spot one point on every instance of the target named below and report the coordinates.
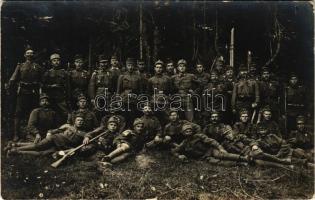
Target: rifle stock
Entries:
(71, 152)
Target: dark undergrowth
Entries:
(154, 176)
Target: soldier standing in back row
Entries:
(100, 81)
(56, 85)
(115, 70)
(295, 96)
(79, 79)
(159, 87)
(170, 69)
(245, 92)
(229, 82)
(185, 84)
(128, 84)
(269, 93)
(27, 78)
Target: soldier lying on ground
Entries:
(242, 145)
(105, 142)
(127, 144)
(198, 145)
(278, 147)
(172, 132)
(65, 137)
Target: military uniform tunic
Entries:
(41, 120)
(28, 77)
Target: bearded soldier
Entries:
(27, 79)
(216, 129)
(170, 69)
(41, 119)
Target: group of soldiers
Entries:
(262, 120)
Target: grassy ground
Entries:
(149, 176)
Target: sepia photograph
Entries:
(157, 100)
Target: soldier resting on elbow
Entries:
(198, 145)
(65, 137)
(105, 142)
(126, 144)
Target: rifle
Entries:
(285, 110)
(253, 116)
(70, 152)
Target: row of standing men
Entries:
(249, 90)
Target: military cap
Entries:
(138, 121)
(265, 69)
(262, 128)
(169, 60)
(54, 56)
(43, 96)
(266, 108)
(293, 75)
(172, 111)
(229, 67)
(82, 96)
(28, 48)
(114, 57)
(214, 72)
(102, 58)
(221, 59)
(130, 60)
(300, 119)
(186, 127)
(243, 68)
(199, 63)
(182, 61)
(79, 115)
(252, 65)
(140, 61)
(78, 57)
(159, 62)
(244, 111)
(113, 119)
(215, 112)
